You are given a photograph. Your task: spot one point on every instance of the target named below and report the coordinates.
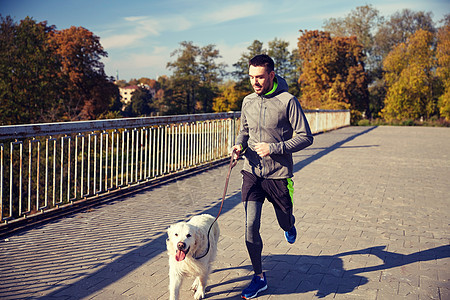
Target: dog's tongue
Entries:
(180, 255)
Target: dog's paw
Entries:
(199, 294)
(195, 284)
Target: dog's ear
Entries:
(169, 244)
(200, 241)
(170, 230)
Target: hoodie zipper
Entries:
(262, 119)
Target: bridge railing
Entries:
(47, 166)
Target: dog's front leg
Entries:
(195, 284)
(174, 285)
(200, 292)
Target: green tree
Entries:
(211, 74)
(241, 66)
(294, 76)
(186, 76)
(29, 85)
(286, 64)
(196, 75)
(279, 52)
(410, 79)
(141, 103)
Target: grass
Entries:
(432, 122)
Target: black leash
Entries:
(233, 162)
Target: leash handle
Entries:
(233, 162)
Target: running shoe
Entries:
(257, 285)
(291, 235)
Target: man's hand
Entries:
(236, 150)
(263, 149)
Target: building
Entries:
(126, 93)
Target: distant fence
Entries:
(44, 167)
(326, 120)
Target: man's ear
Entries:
(272, 75)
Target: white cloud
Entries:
(145, 24)
(138, 28)
(232, 12)
(120, 40)
(134, 18)
(156, 26)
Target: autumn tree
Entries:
(378, 35)
(390, 32)
(147, 81)
(80, 52)
(163, 88)
(229, 99)
(409, 78)
(361, 22)
(333, 75)
(399, 28)
(443, 68)
(29, 85)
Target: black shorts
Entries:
(278, 191)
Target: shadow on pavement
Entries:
(324, 151)
(326, 274)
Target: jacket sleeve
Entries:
(302, 136)
(242, 138)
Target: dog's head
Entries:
(181, 240)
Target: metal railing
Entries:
(46, 166)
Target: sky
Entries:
(140, 35)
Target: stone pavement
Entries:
(372, 211)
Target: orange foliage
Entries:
(333, 75)
(88, 91)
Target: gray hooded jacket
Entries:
(273, 119)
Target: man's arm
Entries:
(302, 137)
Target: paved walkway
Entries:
(372, 208)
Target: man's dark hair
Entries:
(262, 60)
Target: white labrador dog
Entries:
(185, 243)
